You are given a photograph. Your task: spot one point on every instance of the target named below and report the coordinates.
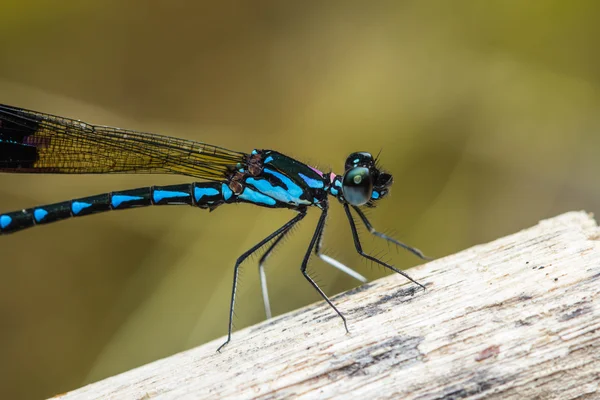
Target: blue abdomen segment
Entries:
(203, 195)
(200, 194)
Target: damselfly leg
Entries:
(316, 238)
(288, 225)
(398, 243)
(360, 251)
(263, 276)
(329, 260)
(335, 263)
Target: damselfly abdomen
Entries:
(33, 142)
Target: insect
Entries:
(34, 142)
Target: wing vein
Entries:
(34, 142)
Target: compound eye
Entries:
(357, 186)
(358, 159)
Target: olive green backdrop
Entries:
(486, 113)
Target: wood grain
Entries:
(517, 318)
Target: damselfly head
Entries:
(363, 183)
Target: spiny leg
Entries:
(330, 260)
(372, 230)
(263, 276)
(316, 238)
(335, 263)
(367, 256)
(241, 259)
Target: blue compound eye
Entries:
(357, 186)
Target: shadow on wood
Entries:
(515, 318)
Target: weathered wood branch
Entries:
(517, 318)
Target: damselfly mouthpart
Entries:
(34, 142)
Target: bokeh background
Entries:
(486, 113)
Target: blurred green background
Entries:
(486, 113)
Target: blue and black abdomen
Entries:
(203, 195)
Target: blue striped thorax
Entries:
(282, 182)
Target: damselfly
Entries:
(33, 142)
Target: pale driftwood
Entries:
(517, 318)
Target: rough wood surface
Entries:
(517, 318)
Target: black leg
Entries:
(372, 230)
(335, 263)
(329, 260)
(315, 239)
(263, 276)
(362, 253)
(241, 259)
